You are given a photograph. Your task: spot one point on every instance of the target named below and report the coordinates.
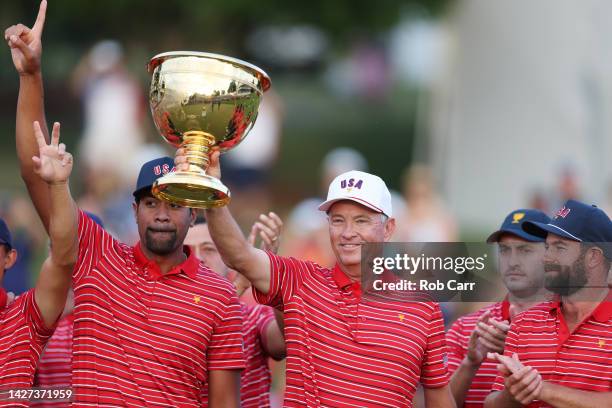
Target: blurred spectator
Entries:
(307, 234)
(338, 161)
(113, 146)
(568, 187)
(114, 112)
(425, 219)
(538, 201)
(364, 73)
(247, 167)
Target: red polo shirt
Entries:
(146, 339)
(22, 337)
(581, 359)
(344, 351)
(55, 366)
(457, 340)
(255, 379)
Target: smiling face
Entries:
(162, 226)
(521, 264)
(350, 226)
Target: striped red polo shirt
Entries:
(457, 339)
(255, 379)
(22, 336)
(146, 339)
(344, 351)
(581, 359)
(55, 366)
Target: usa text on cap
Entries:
(361, 187)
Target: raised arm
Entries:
(26, 49)
(53, 166)
(234, 248)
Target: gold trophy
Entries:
(200, 100)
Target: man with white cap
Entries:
(341, 351)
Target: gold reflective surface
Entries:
(200, 100)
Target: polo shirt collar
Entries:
(343, 281)
(189, 266)
(505, 309)
(602, 313)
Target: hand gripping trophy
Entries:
(198, 101)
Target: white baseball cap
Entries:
(361, 187)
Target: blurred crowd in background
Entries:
(467, 109)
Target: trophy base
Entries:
(191, 189)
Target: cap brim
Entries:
(327, 204)
(494, 237)
(542, 230)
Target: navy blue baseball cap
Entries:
(578, 222)
(513, 225)
(5, 234)
(151, 171)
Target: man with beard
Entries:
(152, 325)
(472, 336)
(559, 353)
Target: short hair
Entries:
(142, 193)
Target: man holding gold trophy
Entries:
(153, 325)
(201, 101)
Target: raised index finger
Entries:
(40, 18)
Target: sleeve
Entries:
(225, 350)
(91, 247)
(265, 317)
(434, 373)
(40, 332)
(510, 347)
(286, 276)
(456, 345)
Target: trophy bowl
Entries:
(198, 101)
